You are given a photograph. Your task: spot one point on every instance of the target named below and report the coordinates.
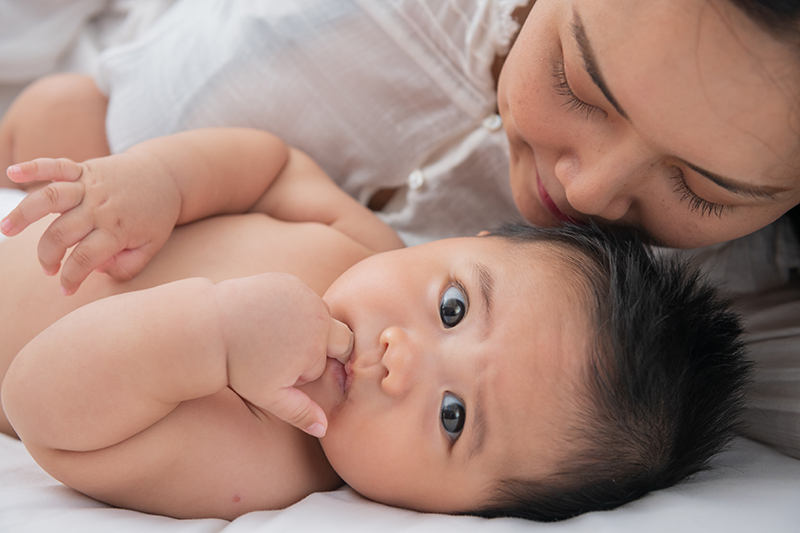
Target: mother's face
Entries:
(676, 116)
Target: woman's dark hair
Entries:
(663, 386)
(781, 18)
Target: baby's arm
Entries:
(120, 209)
(108, 380)
(77, 386)
(303, 192)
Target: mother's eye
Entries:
(453, 307)
(453, 415)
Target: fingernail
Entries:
(6, 225)
(341, 342)
(349, 349)
(316, 429)
(14, 169)
(65, 292)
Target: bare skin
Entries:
(33, 127)
(269, 178)
(112, 382)
(218, 248)
(215, 249)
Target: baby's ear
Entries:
(483, 233)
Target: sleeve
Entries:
(759, 272)
(773, 324)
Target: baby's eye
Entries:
(453, 307)
(454, 414)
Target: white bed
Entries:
(752, 488)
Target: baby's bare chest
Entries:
(217, 248)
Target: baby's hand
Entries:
(279, 334)
(117, 210)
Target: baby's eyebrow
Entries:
(478, 433)
(486, 285)
(485, 281)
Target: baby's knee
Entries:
(62, 115)
(64, 89)
(51, 97)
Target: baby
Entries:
(526, 372)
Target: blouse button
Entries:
(416, 179)
(493, 122)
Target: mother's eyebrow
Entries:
(593, 69)
(744, 189)
(590, 63)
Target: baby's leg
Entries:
(57, 116)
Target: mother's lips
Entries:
(551, 205)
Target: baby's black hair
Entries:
(663, 386)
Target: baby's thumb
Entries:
(295, 407)
(340, 341)
(126, 264)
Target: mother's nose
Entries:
(604, 183)
(400, 359)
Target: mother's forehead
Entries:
(694, 73)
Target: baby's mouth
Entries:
(339, 374)
(348, 368)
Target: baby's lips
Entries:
(340, 341)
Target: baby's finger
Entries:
(125, 264)
(62, 234)
(45, 169)
(89, 254)
(340, 341)
(296, 408)
(53, 198)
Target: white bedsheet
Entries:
(754, 489)
(9, 198)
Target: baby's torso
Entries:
(219, 248)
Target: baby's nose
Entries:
(399, 359)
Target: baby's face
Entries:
(465, 361)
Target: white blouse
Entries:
(382, 94)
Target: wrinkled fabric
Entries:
(382, 94)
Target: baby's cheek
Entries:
(339, 449)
